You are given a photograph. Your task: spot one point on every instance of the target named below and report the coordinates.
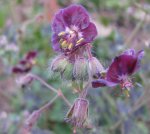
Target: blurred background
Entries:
(25, 26)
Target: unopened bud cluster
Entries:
(78, 67)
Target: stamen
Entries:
(103, 74)
(126, 91)
(62, 33)
(70, 46)
(61, 40)
(64, 44)
(79, 41)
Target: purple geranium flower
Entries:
(71, 28)
(121, 68)
(25, 64)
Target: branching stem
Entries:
(58, 92)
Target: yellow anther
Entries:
(103, 74)
(127, 93)
(70, 46)
(61, 33)
(79, 41)
(64, 44)
(61, 40)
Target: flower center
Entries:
(70, 38)
(126, 85)
(125, 81)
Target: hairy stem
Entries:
(43, 108)
(64, 98)
(89, 51)
(85, 90)
(58, 92)
(32, 119)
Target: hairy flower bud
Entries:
(95, 68)
(78, 113)
(59, 64)
(67, 74)
(80, 69)
(31, 120)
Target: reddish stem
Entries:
(89, 51)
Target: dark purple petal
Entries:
(31, 55)
(20, 70)
(23, 62)
(122, 65)
(26, 64)
(103, 83)
(139, 55)
(17, 70)
(55, 43)
(58, 24)
(89, 33)
(129, 52)
(76, 15)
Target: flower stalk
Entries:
(58, 92)
(32, 119)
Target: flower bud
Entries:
(31, 120)
(59, 64)
(95, 68)
(67, 74)
(80, 69)
(78, 113)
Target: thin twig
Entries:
(43, 108)
(64, 98)
(44, 83)
(32, 119)
(89, 51)
(85, 90)
(58, 92)
(135, 31)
